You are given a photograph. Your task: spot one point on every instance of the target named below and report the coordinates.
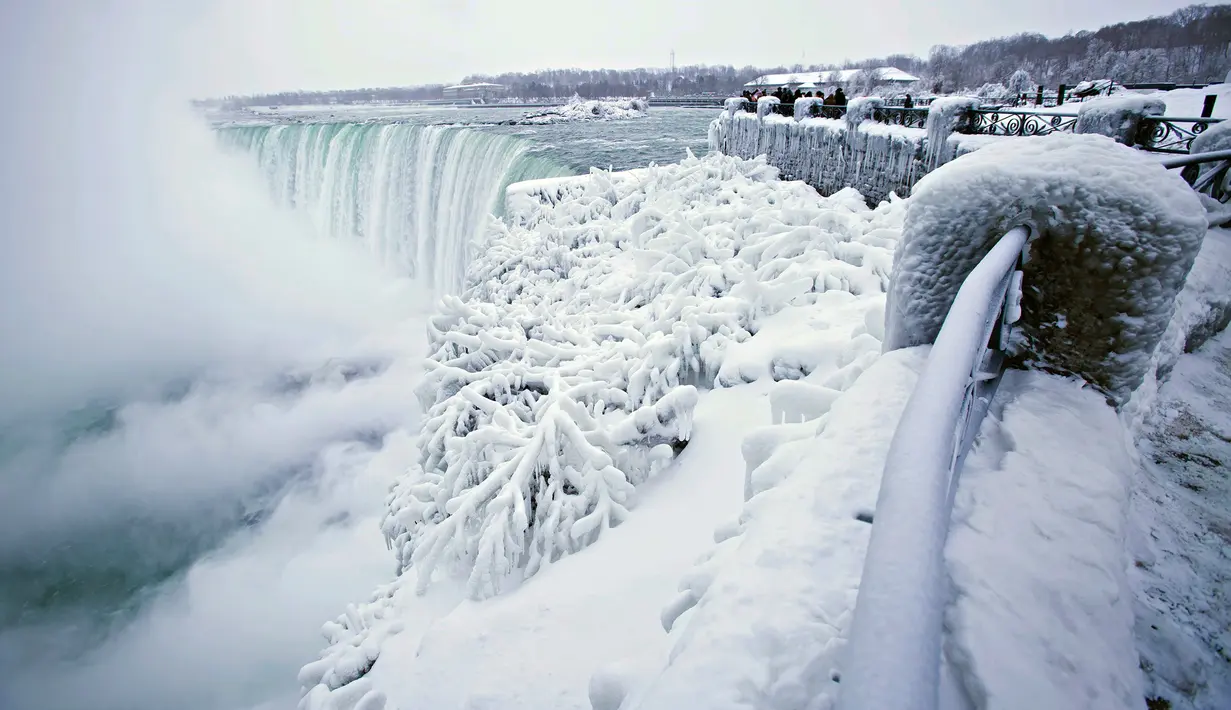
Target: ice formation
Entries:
(1118, 116)
(877, 160)
(807, 107)
(734, 105)
(1115, 237)
(593, 110)
(861, 109)
(563, 376)
(765, 106)
(945, 115)
(593, 310)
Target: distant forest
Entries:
(1189, 46)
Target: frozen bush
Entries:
(567, 372)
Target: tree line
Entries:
(1189, 46)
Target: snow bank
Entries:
(1115, 237)
(1117, 116)
(1042, 613)
(761, 621)
(578, 110)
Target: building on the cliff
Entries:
(886, 75)
(475, 91)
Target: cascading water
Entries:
(415, 196)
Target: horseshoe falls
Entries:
(415, 196)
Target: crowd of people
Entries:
(786, 96)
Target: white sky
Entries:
(244, 46)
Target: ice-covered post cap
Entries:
(808, 107)
(1115, 237)
(1118, 117)
(734, 105)
(765, 105)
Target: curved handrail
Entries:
(893, 657)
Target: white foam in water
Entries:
(176, 349)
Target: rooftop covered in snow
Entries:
(793, 80)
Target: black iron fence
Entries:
(1163, 135)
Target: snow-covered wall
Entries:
(1115, 235)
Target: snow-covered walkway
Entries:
(1042, 615)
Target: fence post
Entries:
(1060, 95)
(1208, 109)
(1038, 98)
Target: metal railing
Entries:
(894, 654)
(1211, 182)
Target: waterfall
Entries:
(415, 196)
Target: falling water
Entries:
(415, 196)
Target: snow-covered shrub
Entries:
(945, 115)
(565, 374)
(1115, 235)
(994, 92)
(1019, 83)
(1118, 117)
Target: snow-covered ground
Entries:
(1180, 103)
(1181, 537)
(1042, 614)
(593, 110)
(597, 300)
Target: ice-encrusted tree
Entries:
(865, 81)
(566, 374)
(1020, 82)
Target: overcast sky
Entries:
(243, 46)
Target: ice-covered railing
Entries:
(1213, 180)
(1163, 134)
(896, 633)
